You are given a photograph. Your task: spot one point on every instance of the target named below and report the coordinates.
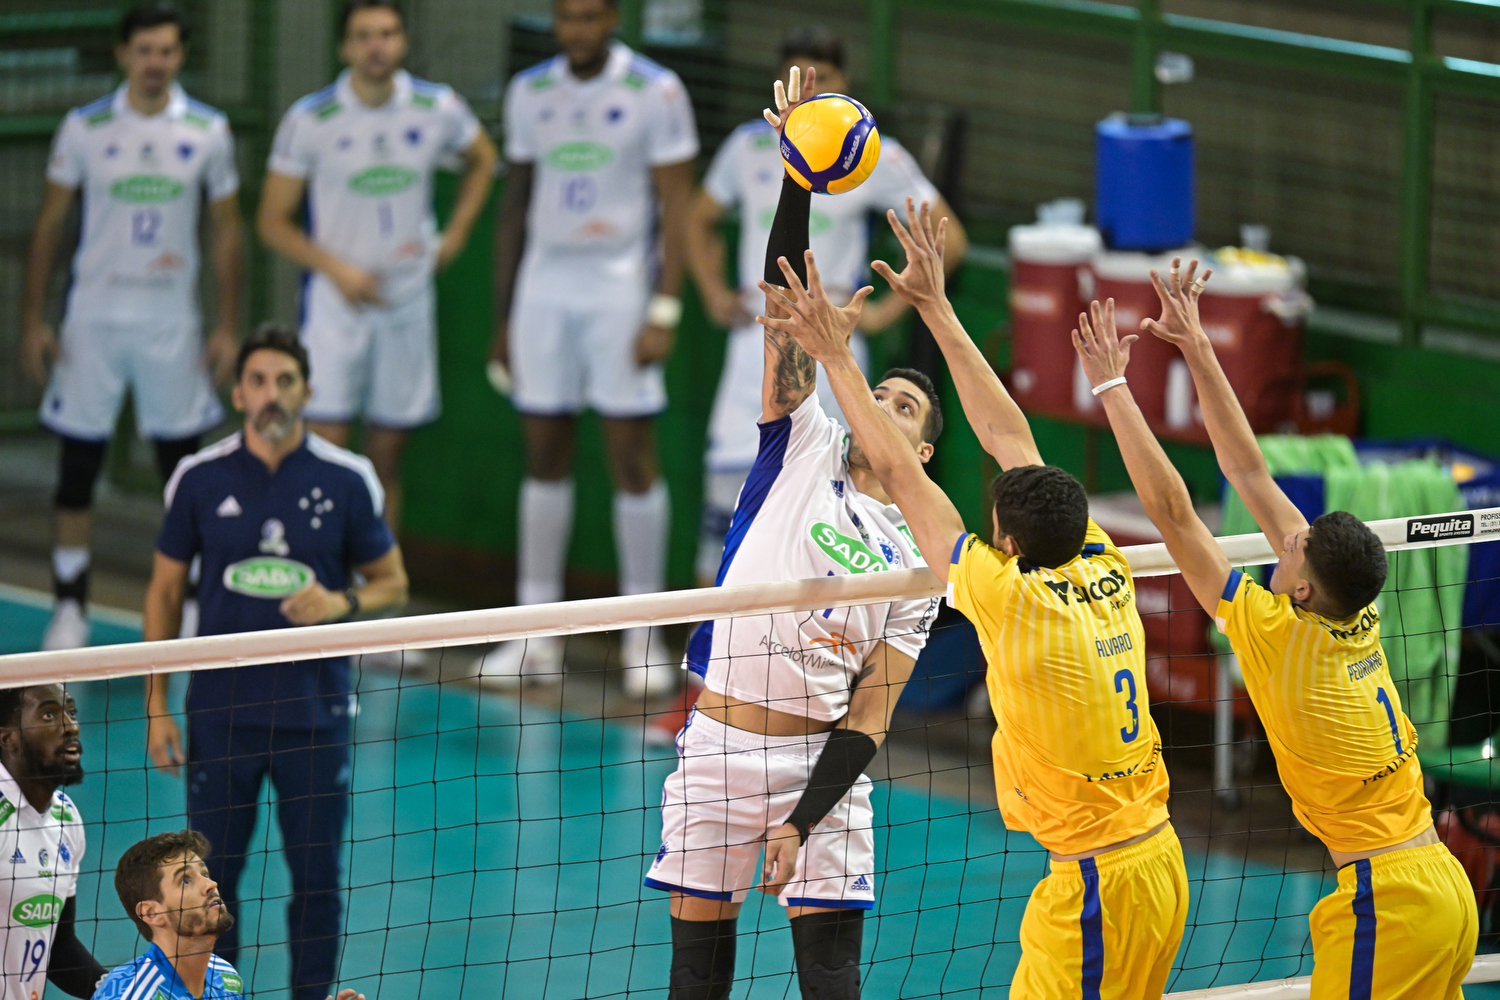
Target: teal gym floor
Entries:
(498, 850)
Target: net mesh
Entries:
(499, 828)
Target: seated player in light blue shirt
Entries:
(164, 885)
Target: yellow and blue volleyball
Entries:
(830, 144)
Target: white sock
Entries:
(69, 562)
(641, 522)
(546, 525)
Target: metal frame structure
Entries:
(1147, 30)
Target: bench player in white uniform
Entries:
(41, 834)
(143, 159)
(363, 152)
(795, 705)
(746, 177)
(596, 141)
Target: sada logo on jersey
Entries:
(267, 577)
(382, 181)
(147, 188)
(850, 553)
(37, 911)
(572, 157)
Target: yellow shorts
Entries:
(1105, 928)
(1402, 924)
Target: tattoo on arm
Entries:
(796, 373)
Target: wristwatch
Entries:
(353, 598)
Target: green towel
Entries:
(1421, 608)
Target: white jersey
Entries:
(40, 855)
(746, 174)
(143, 178)
(799, 516)
(593, 144)
(369, 174)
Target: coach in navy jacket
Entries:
(280, 519)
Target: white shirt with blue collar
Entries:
(40, 855)
(143, 178)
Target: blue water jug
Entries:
(1143, 182)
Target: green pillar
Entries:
(632, 22)
(1416, 175)
(882, 53)
(1145, 91)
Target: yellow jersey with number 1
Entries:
(1346, 753)
(1077, 757)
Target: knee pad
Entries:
(78, 470)
(702, 959)
(828, 947)
(170, 451)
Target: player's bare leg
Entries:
(383, 446)
(546, 523)
(642, 519)
(332, 433)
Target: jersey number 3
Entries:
(1125, 684)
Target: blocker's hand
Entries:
(923, 281)
(313, 605)
(820, 328)
(791, 95)
(780, 865)
(349, 995)
(1100, 350)
(1179, 322)
(164, 744)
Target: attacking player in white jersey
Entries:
(363, 152)
(599, 145)
(746, 176)
(795, 705)
(41, 834)
(143, 159)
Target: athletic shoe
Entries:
(641, 676)
(529, 661)
(69, 629)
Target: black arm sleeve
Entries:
(72, 968)
(844, 758)
(789, 232)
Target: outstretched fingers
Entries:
(814, 279)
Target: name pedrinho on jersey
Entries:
(142, 178)
(593, 144)
(40, 855)
(746, 173)
(800, 516)
(369, 173)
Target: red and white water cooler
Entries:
(1125, 276)
(1049, 263)
(1253, 311)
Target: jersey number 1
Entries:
(32, 959)
(1390, 713)
(1123, 680)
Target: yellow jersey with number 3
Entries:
(1077, 756)
(1346, 753)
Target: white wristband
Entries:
(664, 311)
(1108, 385)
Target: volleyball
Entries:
(830, 144)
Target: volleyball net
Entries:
(499, 831)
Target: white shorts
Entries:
(732, 788)
(376, 362)
(566, 357)
(163, 365)
(733, 426)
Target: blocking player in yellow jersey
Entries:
(1077, 757)
(1402, 922)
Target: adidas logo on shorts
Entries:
(861, 884)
